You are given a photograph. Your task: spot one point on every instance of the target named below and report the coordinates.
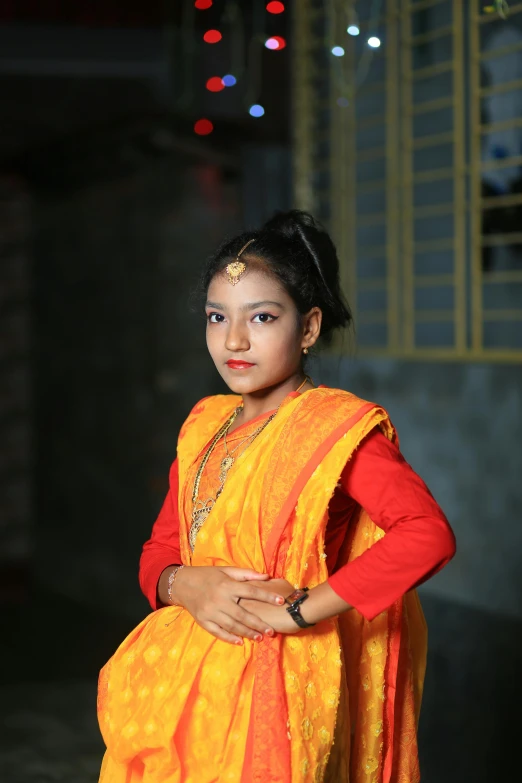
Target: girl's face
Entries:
(255, 334)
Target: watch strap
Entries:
(294, 610)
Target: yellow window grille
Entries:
(411, 153)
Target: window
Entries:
(411, 153)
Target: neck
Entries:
(269, 399)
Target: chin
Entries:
(244, 385)
(239, 386)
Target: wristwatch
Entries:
(295, 600)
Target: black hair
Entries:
(297, 250)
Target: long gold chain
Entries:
(202, 508)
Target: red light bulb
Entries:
(275, 7)
(215, 84)
(275, 43)
(203, 127)
(212, 36)
(202, 5)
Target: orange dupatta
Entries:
(177, 705)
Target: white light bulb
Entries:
(374, 42)
(338, 51)
(353, 29)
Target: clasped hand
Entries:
(212, 594)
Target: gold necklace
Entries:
(228, 460)
(202, 508)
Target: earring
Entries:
(305, 350)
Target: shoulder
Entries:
(325, 398)
(337, 406)
(209, 410)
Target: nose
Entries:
(237, 338)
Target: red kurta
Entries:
(417, 544)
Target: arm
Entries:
(418, 541)
(162, 549)
(417, 544)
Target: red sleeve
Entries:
(162, 548)
(418, 540)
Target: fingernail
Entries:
(269, 632)
(258, 637)
(280, 600)
(238, 641)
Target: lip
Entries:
(234, 364)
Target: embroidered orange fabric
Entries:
(177, 705)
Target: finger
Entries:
(258, 594)
(221, 633)
(252, 621)
(244, 574)
(235, 626)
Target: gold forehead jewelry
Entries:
(237, 268)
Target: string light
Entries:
(203, 127)
(256, 110)
(215, 84)
(202, 5)
(229, 80)
(374, 42)
(275, 7)
(353, 22)
(212, 36)
(338, 51)
(276, 43)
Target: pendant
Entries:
(226, 464)
(195, 528)
(198, 520)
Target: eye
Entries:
(215, 318)
(265, 318)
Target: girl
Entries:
(287, 642)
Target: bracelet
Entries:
(170, 582)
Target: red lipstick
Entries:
(234, 364)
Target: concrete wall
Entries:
(460, 427)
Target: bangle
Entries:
(170, 582)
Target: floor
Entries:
(50, 658)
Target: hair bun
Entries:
(301, 229)
(291, 224)
(301, 226)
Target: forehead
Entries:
(254, 286)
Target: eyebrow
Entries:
(247, 305)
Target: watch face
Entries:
(295, 596)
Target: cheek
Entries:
(211, 339)
(280, 343)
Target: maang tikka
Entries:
(236, 269)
